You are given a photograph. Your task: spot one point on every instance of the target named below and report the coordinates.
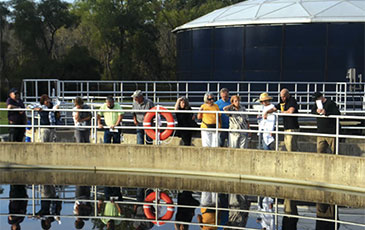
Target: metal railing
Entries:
(275, 213)
(94, 126)
(349, 96)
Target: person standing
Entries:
(141, 103)
(16, 134)
(17, 207)
(47, 118)
(184, 120)
(267, 122)
(288, 105)
(223, 102)
(237, 121)
(82, 135)
(209, 120)
(325, 107)
(111, 119)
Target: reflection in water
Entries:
(99, 207)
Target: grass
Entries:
(3, 118)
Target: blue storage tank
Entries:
(276, 40)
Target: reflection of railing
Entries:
(166, 92)
(157, 205)
(157, 127)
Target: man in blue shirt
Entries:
(223, 102)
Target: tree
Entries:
(4, 13)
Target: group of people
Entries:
(232, 120)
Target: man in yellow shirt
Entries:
(111, 119)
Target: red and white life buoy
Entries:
(148, 120)
(148, 211)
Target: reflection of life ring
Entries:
(148, 119)
(147, 208)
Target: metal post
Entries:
(156, 200)
(187, 90)
(25, 91)
(156, 126)
(218, 87)
(32, 124)
(249, 95)
(336, 219)
(95, 201)
(277, 132)
(337, 135)
(216, 127)
(33, 200)
(49, 88)
(121, 92)
(154, 92)
(87, 91)
(82, 89)
(178, 89)
(216, 209)
(36, 91)
(276, 214)
(95, 127)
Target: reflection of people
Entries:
(266, 220)
(17, 206)
(267, 123)
(209, 120)
(208, 216)
(111, 119)
(139, 213)
(184, 120)
(110, 208)
(82, 208)
(290, 207)
(288, 104)
(326, 211)
(185, 214)
(49, 207)
(223, 102)
(82, 135)
(141, 103)
(238, 202)
(326, 107)
(237, 121)
(16, 134)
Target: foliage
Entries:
(93, 39)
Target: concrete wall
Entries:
(310, 169)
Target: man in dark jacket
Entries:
(326, 107)
(16, 134)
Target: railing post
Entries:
(32, 124)
(156, 209)
(216, 209)
(186, 89)
(154, 92)
(33, 200)
(277, 132)
(249, 95)
(121, 92)
(95, 127)
(336, 219)
(337, 135)
(156, 126)
(216, 127)
(276, 214)
(95, 201)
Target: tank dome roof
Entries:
(282, 12)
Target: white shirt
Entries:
(267, 125)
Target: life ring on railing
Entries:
(148, 210)
(148, 120)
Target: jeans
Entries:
(108, 136)
(223, 139)
(82, 136)
(265, 146)
(140, 138)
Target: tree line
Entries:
(93, 39)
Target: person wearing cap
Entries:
(325, 107)
(141, 103)
(267, 122)
(223, 102)
(16, 134)
(112, 119)
(289, 105)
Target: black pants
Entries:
(16, 134)
(186, 138)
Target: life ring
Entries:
(148, 211)
(148, 120)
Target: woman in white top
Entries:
(267, 123)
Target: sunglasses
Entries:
(210, 99)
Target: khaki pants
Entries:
(324, 142)
(291, 141)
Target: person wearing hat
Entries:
(111, 119)
(16, 134)
(141, 103)
(326, 107)
(267, 123)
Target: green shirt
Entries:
(110, 117)
(111, 210)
